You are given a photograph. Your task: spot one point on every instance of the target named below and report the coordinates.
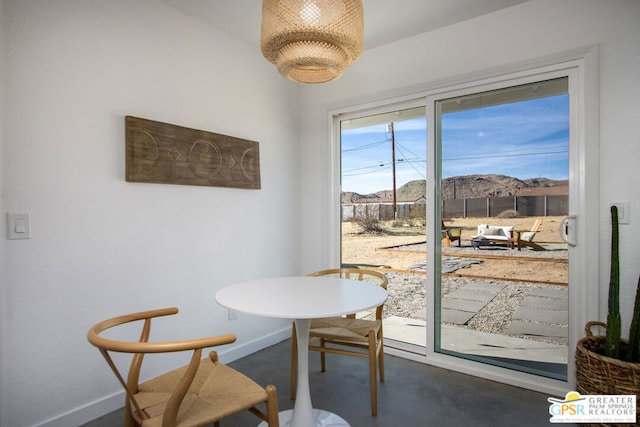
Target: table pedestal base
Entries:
(321, 418)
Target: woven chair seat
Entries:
(203, 392)
(347, 335)
(340, 328)
(216, 392)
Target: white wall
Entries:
(521, 33)
(74, 68)
(102, 246)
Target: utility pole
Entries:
(393, 166)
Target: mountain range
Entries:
(467, 187)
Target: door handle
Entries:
(568, 230)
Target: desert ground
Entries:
(401, 245)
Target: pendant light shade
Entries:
(312, 41)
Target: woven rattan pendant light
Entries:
(312, 41)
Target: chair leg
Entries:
(294, 363)
(381, 355)
(272, 407)
(129, 421)
(372, 373)
(323, 366)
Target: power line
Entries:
(415, 160)
(380, 165)
(421, 173)
(367, 146)
(498, 156)
(384, 167)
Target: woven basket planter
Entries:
(598, 374)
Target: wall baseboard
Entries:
(88, 412)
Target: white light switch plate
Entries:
(19, 225)
(623, 212)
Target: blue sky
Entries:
(528, 139)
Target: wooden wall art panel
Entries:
(168, 154)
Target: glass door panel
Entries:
(383, 182)
(502, 291)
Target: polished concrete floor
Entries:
(413, 394)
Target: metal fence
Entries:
(383, 211)
(463, 208)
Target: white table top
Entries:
(301, 297)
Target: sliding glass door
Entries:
(490, 269)
(502, 292)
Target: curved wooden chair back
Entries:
(371, 276)
(536, 225)
(174, 387)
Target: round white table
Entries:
(302, 299)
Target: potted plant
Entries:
(609, 364)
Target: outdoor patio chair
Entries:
(347, 335)
(525, 237)
(202, 392)
(451, 234)
(492, 235)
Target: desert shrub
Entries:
(419, 222)
(402, 222)
(397, 223)
(368, 223)
(509, 213)
(409, 222)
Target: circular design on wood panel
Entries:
(205, 159)
(248, 164)
(147, 152)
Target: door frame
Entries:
(581, 66)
